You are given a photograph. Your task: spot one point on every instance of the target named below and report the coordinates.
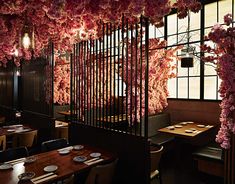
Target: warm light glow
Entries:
(26, 41)
(16, 53)
(17, 73)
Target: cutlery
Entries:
(91, 160)
(44, 179)
(94, 162)
(42, 176)
(15, 161)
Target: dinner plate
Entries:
(170, 127)
(50, 168)
(78, 147)
(64, 152)
(10, 130)
(5, 166)
(79, 158)
(201, 126)
(30, 160)
(26, 176)
(193, 129)
(189, 131)
(95, 155)
(183, 123)
(178, 126)
(190, 122)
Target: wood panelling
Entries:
(198, 111)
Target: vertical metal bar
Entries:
(52, 79)
(103, 108)
(136, 69)
(146, 77)
(141, 72)
(110, 87)
(118, 97)
(202, 66)
(93, 81)
(131, 74)
(100, 80)
(90, 86)
(122, 64)
(87, 86)
(96, 80)
(84, 81)
(75, 85)
(79, 86)
(127, 67)
(114, 67)
(107, 76)
(71, 87)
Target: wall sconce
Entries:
(18, 71)
(27, 37)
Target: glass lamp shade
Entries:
(187, 62)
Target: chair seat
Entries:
(161, 139)
(154, 174)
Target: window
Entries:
(200, 82)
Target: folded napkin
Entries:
(43, 178)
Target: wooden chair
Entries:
(2, 142)
(13, 153)
(102, 174)
(54, 144)
(27, 139)
(155, 156)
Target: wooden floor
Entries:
(178, 167)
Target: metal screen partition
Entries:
(109, 78)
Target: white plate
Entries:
(26, 176)
(10, 130)
(183, 123)
(94, 155)
(5, 166)
(64, 152)
(190, 122)
(170, 127)
(78, 147)
(30, 160)
(188, 131)
(79, 158)
(178, 126)
(201, 126)
(50, 168)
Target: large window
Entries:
(200, 82)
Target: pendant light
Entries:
(27, 37)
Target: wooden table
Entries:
(117, 121)
(13, 129)
(60, 124)
(181, 131)
(65, 163)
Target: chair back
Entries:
(155, 156)
(27, 139)
(54, 144)
(102, 174)
(13, 153)
(62, 132)
(2, 142)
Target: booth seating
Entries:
(156, 122)
(210, 159)
(13, 153)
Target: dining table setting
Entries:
(187, 129)
(12, 129)
(56, 165)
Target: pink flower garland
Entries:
(61, 81)
(160, 70)
(224, 58)
(66, 22)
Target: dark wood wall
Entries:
(8, 91)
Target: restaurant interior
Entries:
(117, 91)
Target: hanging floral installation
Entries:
(65, 22)
(61, 81)
(161, 68)
(223, 56)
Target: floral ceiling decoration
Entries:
(223, 56)
(65, 22)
